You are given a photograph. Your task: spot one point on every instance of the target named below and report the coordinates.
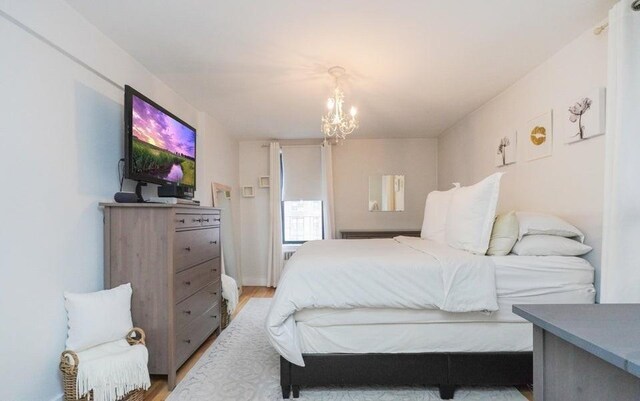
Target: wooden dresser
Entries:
(171, 256)
(368, 234)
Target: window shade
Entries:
(302, 171)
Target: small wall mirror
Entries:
(386, 193)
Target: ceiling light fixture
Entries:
(336, 124)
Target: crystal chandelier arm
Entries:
(335, 123)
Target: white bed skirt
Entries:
(416, 338)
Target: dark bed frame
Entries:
(445, 370)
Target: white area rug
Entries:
(241, 365)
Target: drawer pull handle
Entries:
(188, 312)
(214, 316)
(216, 219)
(181, 221)
(214, 270)
(187, 283)
(188, 249)
(187, 341)
(197, 220)
(213, 242)
(205, 220)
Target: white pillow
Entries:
(503, 235)
(471, 215)
(540, 223)
(98, 317)
(435, 214)
(549, 245)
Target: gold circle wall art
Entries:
(540, 141)
(538, 135)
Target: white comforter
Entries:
(383, 273)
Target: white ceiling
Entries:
(414, 67)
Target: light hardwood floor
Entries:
(159, 390)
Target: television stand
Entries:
(139, 186)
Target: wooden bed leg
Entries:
(296, 390)
(446, 391)
(286, 392)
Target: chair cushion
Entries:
(111, 349)
(98, 317)
(112, 370)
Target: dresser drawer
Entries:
(195, 246)
(197, 304)
(192, 280)
(211, 219)
(188, 220)
(191, 336)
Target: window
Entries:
(302, 218)
(301, 221)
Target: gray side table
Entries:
(585, 352)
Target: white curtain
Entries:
(620, 273)
(275, 262)
(327, 191)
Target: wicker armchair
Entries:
(69, 367)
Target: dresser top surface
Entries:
(156, 205)
(609, 331)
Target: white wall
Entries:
(62, 130)
(353, 162)
(570, 182)
(357, 159)
(218, 160)
(254, 219)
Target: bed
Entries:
(411, 311)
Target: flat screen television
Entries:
(160, 148)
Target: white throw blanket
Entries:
(230, 293)
(112, 370)
(382, 273)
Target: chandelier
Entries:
(336, 124)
